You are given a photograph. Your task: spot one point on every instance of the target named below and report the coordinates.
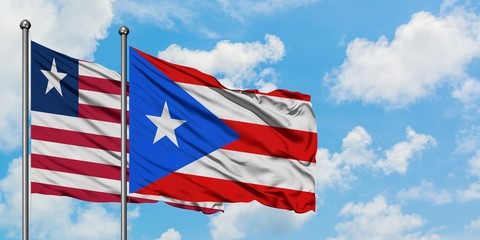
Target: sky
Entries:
(395, 89)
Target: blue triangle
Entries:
(201, 134)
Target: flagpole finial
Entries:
(123, 30)
(25, 24)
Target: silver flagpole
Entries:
(123, 31)
(25, 26)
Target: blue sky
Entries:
(395, 89)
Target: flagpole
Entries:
(25, 26)
(123, 31)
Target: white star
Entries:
(54, 77)
(165, 125)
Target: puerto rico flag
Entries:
(195, 140)
(75, 131)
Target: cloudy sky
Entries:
(395, 88)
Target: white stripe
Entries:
(255, 169)
(75, 152)
(254, 108)
(96, 70)
(75, 181)
(75, 124)
(99, 99)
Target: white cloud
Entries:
(243, 219)
(413, 65)
(448, 5)
(170, 234)
(420, 236)
(337, 169)
(331, 171)
(468, 140)
(468, 94)
(134, 213)
(473, 226)
(11, 196)
(471, 231)
(355, 151)
(474, 163)
(73, 27)
(470, 194)
(425, 191)
(398, 157)
(90, 222)
(52, 217)
(242, 69)
(378, 220)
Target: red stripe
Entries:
(273, 141)
(76, 138)
(195, 208)
(76, 167)
(179, 73)
(99, 113)
(99, 85)
(203, 189)
(82, 194)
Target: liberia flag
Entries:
(195, 140)
(75, 131)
